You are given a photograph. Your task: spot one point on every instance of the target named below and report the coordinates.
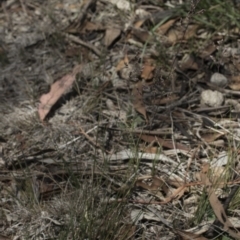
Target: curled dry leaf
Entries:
(188, 62)
(58, 88)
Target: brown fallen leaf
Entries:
(151, 150)
(207, 51)
(138, 100)
(92, 26)
(122, 64)
(188, 62)
(235, 83)
(211, 136)
(166, 26)
(189, 236)
(191, 31)
(111, 35)
(177, 193)
(176, 35)
(166, 100)
(156, 185)
(162, 142)
(58, 88)
(147, 70)
(2, 237)
(141, 35)
(139, 23)
(216, 204)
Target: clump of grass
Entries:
(216, 15)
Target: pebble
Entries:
(219, 80)
(211, 98)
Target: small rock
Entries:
(211, 98)
(234, 103)
(219, 80)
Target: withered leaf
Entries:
(58, 88)
(138, 103)
(111, 35)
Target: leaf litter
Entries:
(104, 131)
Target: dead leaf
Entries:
(210, 137)
(2, 237)
(151, 150)
(122, 64)
(189, 236)
(164, 143)
(166, 26)
(176, 35)
(207, 51)
(166, 100)
(138, 99)
(188, 62)
(235, 83)
(177, 193)
(58, 88)
(142, 35)
(111, 35)
(148, 69)
(92, 26)
(156, 185)
(216, 204)
(139, 23)
(191, 31)
(87, 27)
